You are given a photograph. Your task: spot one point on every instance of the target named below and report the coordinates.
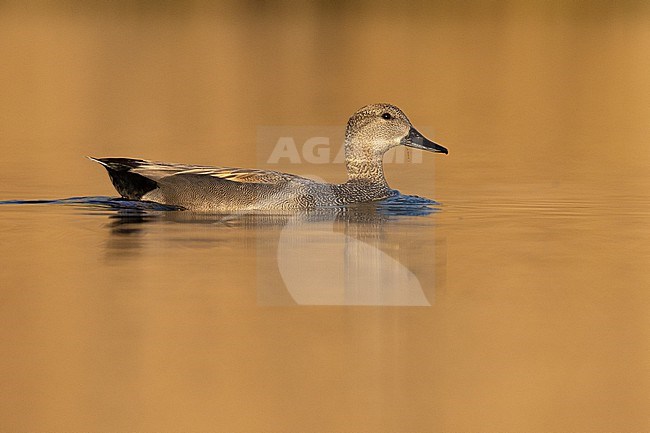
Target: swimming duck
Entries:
(370, 132)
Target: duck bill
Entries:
(418, 141)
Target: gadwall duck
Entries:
(370, 132)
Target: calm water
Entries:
(520, 302)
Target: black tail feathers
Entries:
(130, 185)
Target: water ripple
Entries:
(399, 205)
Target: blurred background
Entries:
(543, 322)
(560, 87)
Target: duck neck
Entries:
(364, 165)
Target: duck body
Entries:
(369, 134)
(219, 189)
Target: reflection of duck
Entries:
(370, 132)
(129, 214)
(330, 256)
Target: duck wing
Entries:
(242, 175)
(137, 179)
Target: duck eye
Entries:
(386, 116)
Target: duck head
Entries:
(379, 127)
